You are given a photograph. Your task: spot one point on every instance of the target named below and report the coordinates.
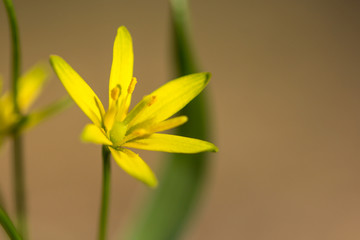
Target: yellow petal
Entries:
(94, 134)
(134, 165)
(122, 65)
(171, 97)
(7, 115)
(172, 143)
(78, 89)
(30, 85)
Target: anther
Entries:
(132, 85)
(115, 92)
(135, 134)
(151, 101)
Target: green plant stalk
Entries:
(172, 204)
(19, 178)
(105, 193)
(2, 202)
(19, 183)
(8, 226)
(16, 60)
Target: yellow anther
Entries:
(151, 101)
(115, 92)
(135, 134)
(139, 109)
(132, 85)
(139, 132)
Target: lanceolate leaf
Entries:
(172, 204)
(8, 225)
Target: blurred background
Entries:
(284, 99)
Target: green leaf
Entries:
(172, 204)
(8, 226)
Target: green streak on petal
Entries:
(171, 206)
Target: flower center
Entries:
(117, 132)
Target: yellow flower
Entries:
(120, 129)
(29, 87)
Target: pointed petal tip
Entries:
(215, 149)
(122, 29)
(54, 58)
(208, 75)
(153, 184)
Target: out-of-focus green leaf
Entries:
(172, 204)
(8, 226)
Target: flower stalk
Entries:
(105, 193)
(16, 60)
(19, 182)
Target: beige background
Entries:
(285, 98)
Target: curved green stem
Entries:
(105, 193)
(8, 226)
(16, 63)
(18, 162)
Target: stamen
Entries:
(115, 92)
(109, 117)
(125, 101)
(132, 85)
(152, 101)
(101, 109)
(138, 110)
(135, 134)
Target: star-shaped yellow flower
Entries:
(120, 129)
(29, 87)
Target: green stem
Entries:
(17, 140)
(105, 193)
(19, 183)
(8, 226)
(16, 63)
